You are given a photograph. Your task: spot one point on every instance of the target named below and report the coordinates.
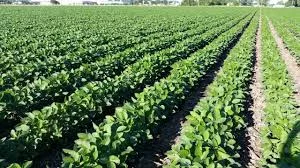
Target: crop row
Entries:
(291, 24)
(115, 138)
(42, 92)
(55, 37)
(293, 28)
(208, 138)
(29, 26)
(51, 124)
(21, 74)
(39, 36)
(291, 41)
(287, 25)
(280, 146)
(39, 49)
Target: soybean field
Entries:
(147, 87)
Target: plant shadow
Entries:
(290, 154)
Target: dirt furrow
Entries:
(290, 61)
(152, 154)
(257, 106)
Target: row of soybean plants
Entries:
(60, 41)
(41, 42)
(116, 137)
(288, 30)
(87, 51)
(208, 138)
(288, 18)
(105, 24)
(291, 40)
(55, 123)
(293, 26)
(44, 91)
(280, 133)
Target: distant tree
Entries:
(202, 2)
(216, 2)
(292, 3)
(263, 2)
(5, 1)
(234, 2)
(25, 2)
(189, 3)
(246, 2)
(55, 2)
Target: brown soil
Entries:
(257, 106)
(290, 61)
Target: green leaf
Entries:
(27, 164)
(68, 159)
(228, 110)
(23, 127)
(198, 150)
(231, 142)
(74, 154)
(14, 165)
(211, 165)
(183, 153)
(121, 128)
(114, 159)
(205, 153)
(95, 153)
(235, 101)
(221, 155)
(83, 136)
(30, 115)
(96, 128)
(13, 134)
(121, 114)
(111, 165)
(221, 91)
(218, 138)
(205, 135)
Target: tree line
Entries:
(236, 2)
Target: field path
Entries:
(290, 61)
(257, 106)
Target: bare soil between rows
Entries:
(290, 61)
(257, 105)
(152, 154)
